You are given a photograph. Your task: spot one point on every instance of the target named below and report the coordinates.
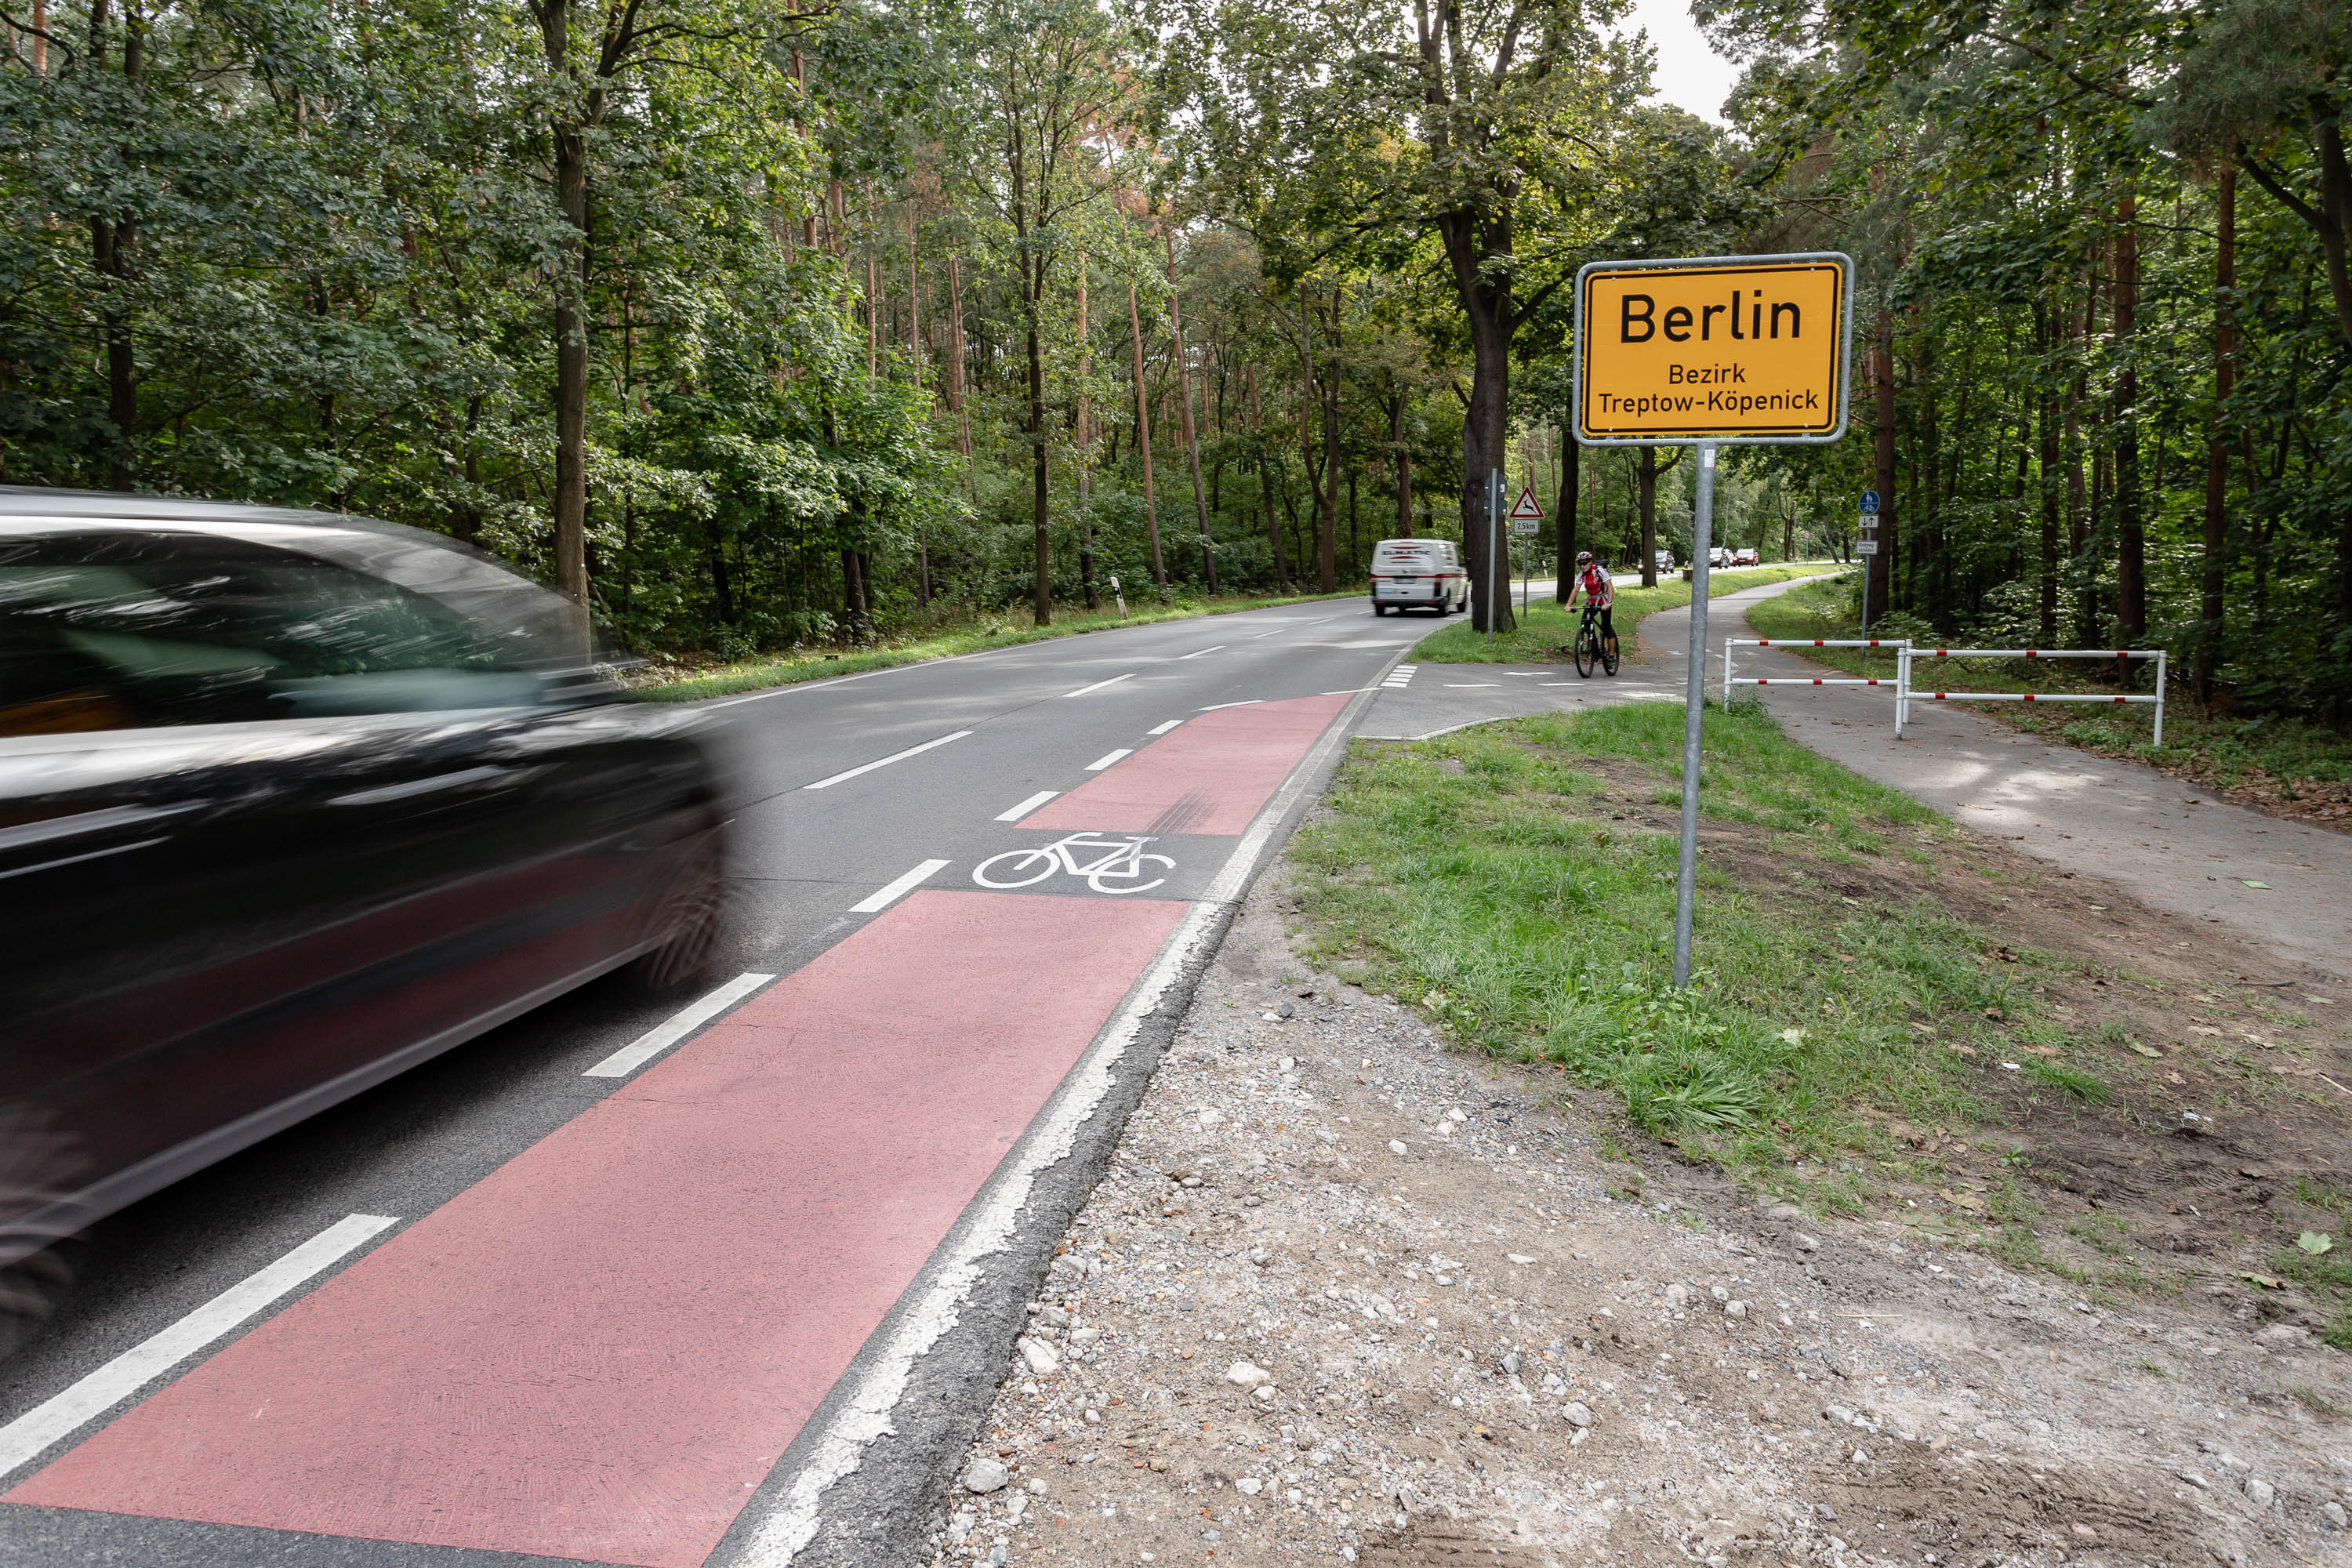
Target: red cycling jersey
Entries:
(1598, 587)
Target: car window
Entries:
(122, 628)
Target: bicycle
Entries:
(1592, 647)
(1122, 860)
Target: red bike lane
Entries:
(601, 1350)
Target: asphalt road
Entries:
(733, 1296)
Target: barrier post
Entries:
(1726, 673)
(1901, 687)
(2159, 695)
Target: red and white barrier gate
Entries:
(1903, 687)
(1730, 643)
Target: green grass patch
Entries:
(1546, 634)
(801, 664)
(2284, 758)
(1495, 878)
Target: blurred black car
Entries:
(291, 802)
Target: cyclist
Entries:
(1600, 589)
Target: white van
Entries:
(1426, 573)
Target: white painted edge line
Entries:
(669, 1032)
(865, 1414)
(1163, 729)
(1026, 806)
(1099, 685)
(59, 1416)
(1218, 648)
(1253, 702)
(886, 761)
(899, 889)
(1100, 764)
(1351, 690)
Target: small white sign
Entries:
(1867, 547)
(1525, 525)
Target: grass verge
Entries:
(1517, 880)
(2281, 765)
(791, 668)
(1546, 633)
(1888, 1019)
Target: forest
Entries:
(759, 327)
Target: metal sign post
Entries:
(1527, 516)
(1694, 706)
(1742, 349)
(1865, 542)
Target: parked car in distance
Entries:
(1422, 574)
(1748, 556)
(289, 803)
(1665, 560)
(1718, 557)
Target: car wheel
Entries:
(1379, 609)
(39, 1166)
(693, 912)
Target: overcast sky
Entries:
(1690, 75)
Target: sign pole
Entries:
(1776, 369)
(1694, 711)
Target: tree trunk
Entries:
(1265, 484)
(2217, 439)
(1143, 435)
(109, 245)
(1875, 569)
(1564, 514)
(1327, 532)
(1645, 476)
(2046, 427)
(1485, 430)
(1403, 465)
(2131, 546)
(1032, 292)
(955, 364)
(572, 366)
(1191, 433)
(1083, 434)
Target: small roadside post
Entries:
(1526, 517)
(1866, 543)
(1654, 367)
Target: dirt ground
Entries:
(1349, 1295)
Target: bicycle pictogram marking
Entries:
(1109, 863)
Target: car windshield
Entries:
(121, 627)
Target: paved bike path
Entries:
(2177, 847)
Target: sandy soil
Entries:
(1350, 1296)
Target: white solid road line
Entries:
(1026, 806)
(1206, 650)
(896, 890)
(28, 1436)
(1100, 764)
(689, 1018)
(886, 761)
(1099, 685)
(1252, 702)
(1163, 729)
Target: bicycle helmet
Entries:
(1584, 556)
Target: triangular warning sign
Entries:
(1526, 509)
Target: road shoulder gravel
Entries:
(1345, 1295)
